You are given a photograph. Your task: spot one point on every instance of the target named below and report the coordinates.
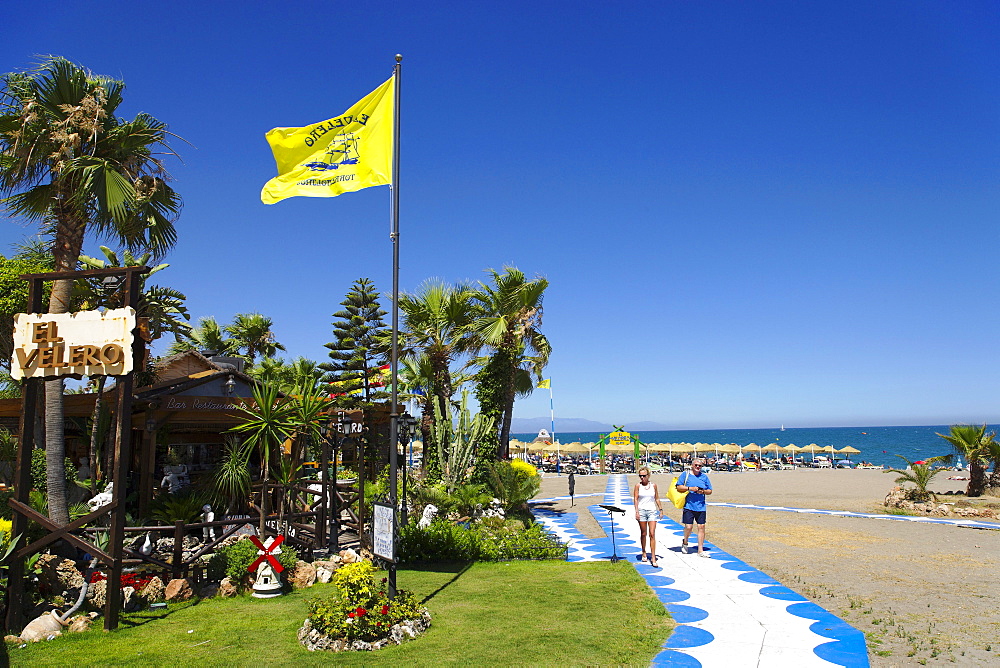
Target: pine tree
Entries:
(362, 346)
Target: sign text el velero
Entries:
(87, 343)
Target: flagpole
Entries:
(552, 425)
(394, 355)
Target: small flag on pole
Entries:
(545, 384)
(343, 154)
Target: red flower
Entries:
(385, 610)
(350, 614)
(384, 580)
(361, 612)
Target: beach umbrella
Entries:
(660, 447)
(575, 446)
(826, 448)
(753, 447)
(730, 449)
(771, 447)
(848, 450)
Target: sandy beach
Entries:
(920, 592)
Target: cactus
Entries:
(457, 442)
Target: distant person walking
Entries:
(697, 485)
(572, 489)
(646, 498)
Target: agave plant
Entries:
(185, 506)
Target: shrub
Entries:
(361, 609)
(39, 469)
(493, 539)
(514, 482)
(233, 560)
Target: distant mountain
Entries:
(564, 425)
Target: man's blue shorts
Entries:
(692, 516)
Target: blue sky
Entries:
(750, 213)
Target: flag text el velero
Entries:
(343, 154)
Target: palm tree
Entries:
(920, 475)
(978, 447)
(287, 375)
(206, 335)
(162, 308)
(252, 336)
(434, 324)
(68, 162)
(509, 314)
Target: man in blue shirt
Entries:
(697, 485)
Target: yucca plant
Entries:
(231, 483)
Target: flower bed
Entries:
(361, 616)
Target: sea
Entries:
(878, 445)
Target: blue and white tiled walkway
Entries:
(728, 613)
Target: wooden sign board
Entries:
(88, 343)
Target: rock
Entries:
(12, 639)
(302, 575)
(42, 628)
(130, 600)
(325, 570)
(313, 640)
(178, 590)
(153, 591)
(79, 624)
(227, 588)
(349, 556)
(97, 594)
(209, 590)
(58, 575)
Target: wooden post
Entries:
(123, 459)
(147, 465)
(176, 566)
(324, 499)
(30, 390)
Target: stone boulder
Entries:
(131, 601)
(302, 575)
(325, 569)
(81, 623)
(178, 590)
(228, 588)
(97, 594)
(349, 556)
(58, 575)
(209, 590)
(153, 591)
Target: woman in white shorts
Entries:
(646, 498)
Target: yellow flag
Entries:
(545, 384)
(346, 153)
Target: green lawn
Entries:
(488, 614)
